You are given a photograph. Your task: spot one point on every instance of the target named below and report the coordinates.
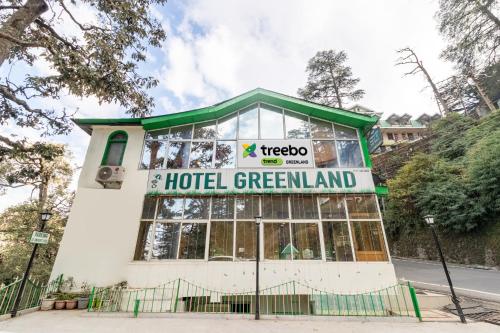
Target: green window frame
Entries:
(113, 138)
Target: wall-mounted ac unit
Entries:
(110, 176)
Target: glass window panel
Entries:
(271, 122)
(178, 155)
(201, 155)
(304, 206)
(226, 127)
(181, 132)
(337, 241)
(342, 132)
(349, 154)
(362, 207)
(143, 245)
(325, 155)
(225, 154)
(221, 241)
(158, 135)
(170, 208)
(196, 208)
(166, 241)
(148, 208)
(115, 153)
(321, 129)
(305, 239)
(245, 240)
(248, 123)
(247, 207)
(222, 207)
(332, 207)
(154, 155)
(193, 236)
(275, 206)
(277, 244)
(204, 130)
(368, 241)
(296, 125)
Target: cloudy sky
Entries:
(217, 49)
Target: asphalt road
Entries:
(472, 282)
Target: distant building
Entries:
(398, 129)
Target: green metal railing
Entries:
(290, 298)
(32, 295)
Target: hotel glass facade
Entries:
(299, 226)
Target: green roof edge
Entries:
(226, 107)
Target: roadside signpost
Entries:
(39, 237)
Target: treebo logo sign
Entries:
(249, 150)
(276, 153)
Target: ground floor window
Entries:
(329, 227)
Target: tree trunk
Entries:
(488, 13)
(438, 96)
(17, 23)
(483, 94)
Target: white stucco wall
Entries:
(100, 237)
(101, 232)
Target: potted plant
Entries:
(47, 302)
(83, 299)
(71, 302)
(60, 302)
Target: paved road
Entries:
(471, 282)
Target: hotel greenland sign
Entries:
(254, 181)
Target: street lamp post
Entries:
(429, 219)
(44, 217)
(258, 220)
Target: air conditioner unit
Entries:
(110, 175)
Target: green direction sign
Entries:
(39, 237)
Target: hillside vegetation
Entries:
(459, 183)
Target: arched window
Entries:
(115, 148)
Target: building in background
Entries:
(397, 129)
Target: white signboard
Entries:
(227, 181)
(275, 154)
(39, 237)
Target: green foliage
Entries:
(17, 223)
(330, 81)
(450, 132)
(483, 170)
(472, 30)
(89, 55)
(459, 182)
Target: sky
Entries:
(217, 49)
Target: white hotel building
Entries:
(176, 196)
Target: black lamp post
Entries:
(258, 220)
(44, 217)
(429, 219)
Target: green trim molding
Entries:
(111, 140)
(344, 117)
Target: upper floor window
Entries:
(214, 144)
(115, 148)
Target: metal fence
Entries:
(290, 298)
(32, 295)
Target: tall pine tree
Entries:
(330, 81)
